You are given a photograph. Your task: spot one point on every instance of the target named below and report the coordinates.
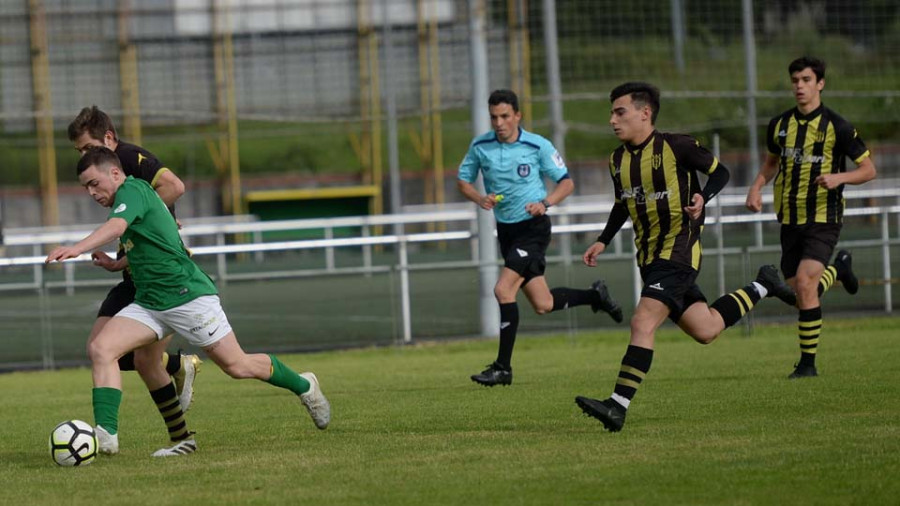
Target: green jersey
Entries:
(163, 272)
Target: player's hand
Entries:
(488, 202)
(101, 259)
(754, 200)
(696, 206)
(829, 181)
(590, 256)
(178, 222)
(62, 253)
(536, 208)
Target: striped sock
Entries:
(635, 366)
(170, 408)
(809, 326)
(827, 279)
(733, 306)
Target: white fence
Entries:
(581, 215)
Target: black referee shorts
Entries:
(815, 241)
(524, 246)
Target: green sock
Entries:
(284, 377)
(106, 408)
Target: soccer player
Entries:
(656, 184)
(514, 163)
(93, 127)
(172, 293)
(808, 145)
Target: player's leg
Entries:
(648, 316)
(809, 322)
(118, 297)
(841, 270)
(162, 391)
(231, 358)
(545, 300)
(119, 336)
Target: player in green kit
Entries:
(172, 294)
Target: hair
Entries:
(817, 66)
(93, 121)
(99, 156)
(504, 97)
(642, 94)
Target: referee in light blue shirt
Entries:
(514, 164)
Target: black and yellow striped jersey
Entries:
(654, 181)
(809, 146)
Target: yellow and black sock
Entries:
(635, 366)
(809, 326)
(733, 306)
(827, 279)
(170, 408)
(172, 362)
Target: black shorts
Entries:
(120, 296)
(815, 241)
(673, 284)
(524, 246)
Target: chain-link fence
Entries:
(300, 85)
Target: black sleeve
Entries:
(138, 162)
(848, 142)
(691, 155)
(717, 180)
(771, 144)
(617, 217)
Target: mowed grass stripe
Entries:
(710, 425)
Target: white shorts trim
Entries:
(201, 321)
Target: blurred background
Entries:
(360, 110)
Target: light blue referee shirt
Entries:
(514, 170)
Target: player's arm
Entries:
(617, 217)
(108, 232)
(766, 174)
(863, 173)
(169, 186)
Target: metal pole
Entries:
(391, 106)
(554, 84)
(678, 34)
(750, 61)
(481, 122)
(720, 240)
(886, 260)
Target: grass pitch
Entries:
(710, 425)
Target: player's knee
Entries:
(100, 352)
(238, 370)
(703, 336)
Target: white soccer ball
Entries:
(73, 443)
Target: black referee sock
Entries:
(509, 324)
(170, 409)
(635, 366)
(733, 306)
(564, 298)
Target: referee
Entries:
(808, 147)
(655, 179)
(514, 163)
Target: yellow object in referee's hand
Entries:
(498, 198)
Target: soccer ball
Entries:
(73, 443)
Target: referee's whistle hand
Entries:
(488, 202)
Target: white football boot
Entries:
(315, 401)
(184, 380)
(108, 444)
(181, 448)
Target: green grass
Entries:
(710, 425)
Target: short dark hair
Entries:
(94, 121)
(641, 94)
(817, 66)
(504, 97)
(100, 156)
